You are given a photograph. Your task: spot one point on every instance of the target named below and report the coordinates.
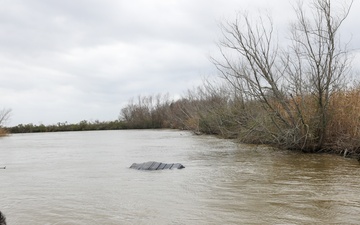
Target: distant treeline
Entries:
(81, 126)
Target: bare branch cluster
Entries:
(4, 116)
(293, 84)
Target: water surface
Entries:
(83, 178)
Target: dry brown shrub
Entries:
(3, 132)
(344, 123)
(298, 121)
(192, 123)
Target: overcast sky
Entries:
(73, 60)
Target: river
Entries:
(84, 178)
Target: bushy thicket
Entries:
(216, 109)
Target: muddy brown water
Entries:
(83, 178)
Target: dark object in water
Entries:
(2, 219)
(151, 165)
(3, 167)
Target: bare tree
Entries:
(321, 60)
(4, 116)
(148, 112)
(286, 80)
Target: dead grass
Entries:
(3, 132)
(344, 124)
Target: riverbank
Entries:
(122, 126)
(218, 112)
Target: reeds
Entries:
(344, 122)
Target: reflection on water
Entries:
(83, 178)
